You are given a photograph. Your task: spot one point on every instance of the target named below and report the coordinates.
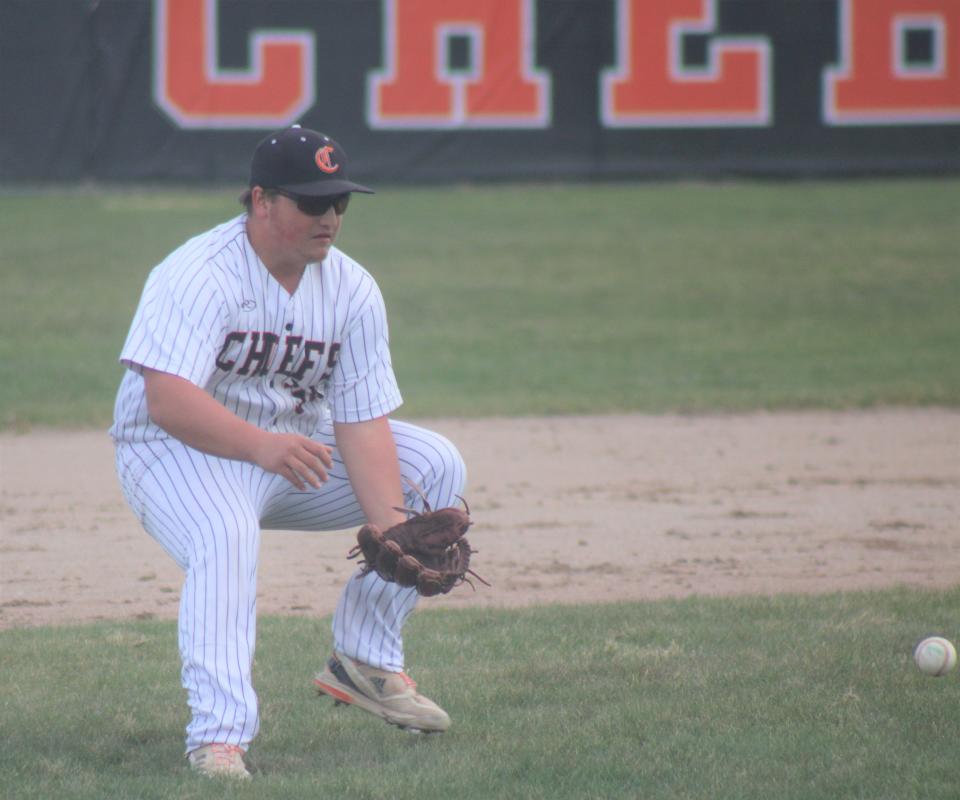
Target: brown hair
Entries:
(246, 199)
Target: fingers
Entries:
(321, 451)
(299, 459)
(306, 469)
(294, 477)
(308, 464)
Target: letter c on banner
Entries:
(273, 91)
(417, 88)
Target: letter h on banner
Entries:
(418, 89)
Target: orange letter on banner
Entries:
(875, 84)
(189, 87)
(649, 87)
(417, 89)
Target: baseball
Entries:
(935, 656)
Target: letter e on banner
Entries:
(879, 81)
(651, 87)
(498, 87)
(194, 92)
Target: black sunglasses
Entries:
(318, 206)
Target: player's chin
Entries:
(320, 247)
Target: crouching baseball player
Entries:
(256, 395)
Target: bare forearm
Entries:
(370, 455)
(191, 415)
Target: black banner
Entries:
(437, 90)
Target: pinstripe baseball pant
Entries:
(207, 513)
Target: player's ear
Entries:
(259, 200)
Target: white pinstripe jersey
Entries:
(211, 313)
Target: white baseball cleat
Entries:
(392, 696)
(219, 760)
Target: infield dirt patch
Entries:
(566, 509)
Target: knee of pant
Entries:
(232, 536)
(446, 476)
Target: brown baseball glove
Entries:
(427, 550)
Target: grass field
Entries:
(797, 698)
(543, 299)
(521, 301)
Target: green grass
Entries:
(805, 698)
(543, 299)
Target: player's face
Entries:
(311, 235)
(302, 229)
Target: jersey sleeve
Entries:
(175, 329)
(363, 384)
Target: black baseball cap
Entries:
(302, 162)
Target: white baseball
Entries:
(935, 656)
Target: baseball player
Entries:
(256, 395)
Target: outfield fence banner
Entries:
(448, 90)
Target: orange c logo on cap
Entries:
(323, 160)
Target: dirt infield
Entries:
(566, 509)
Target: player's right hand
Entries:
(297, 458)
